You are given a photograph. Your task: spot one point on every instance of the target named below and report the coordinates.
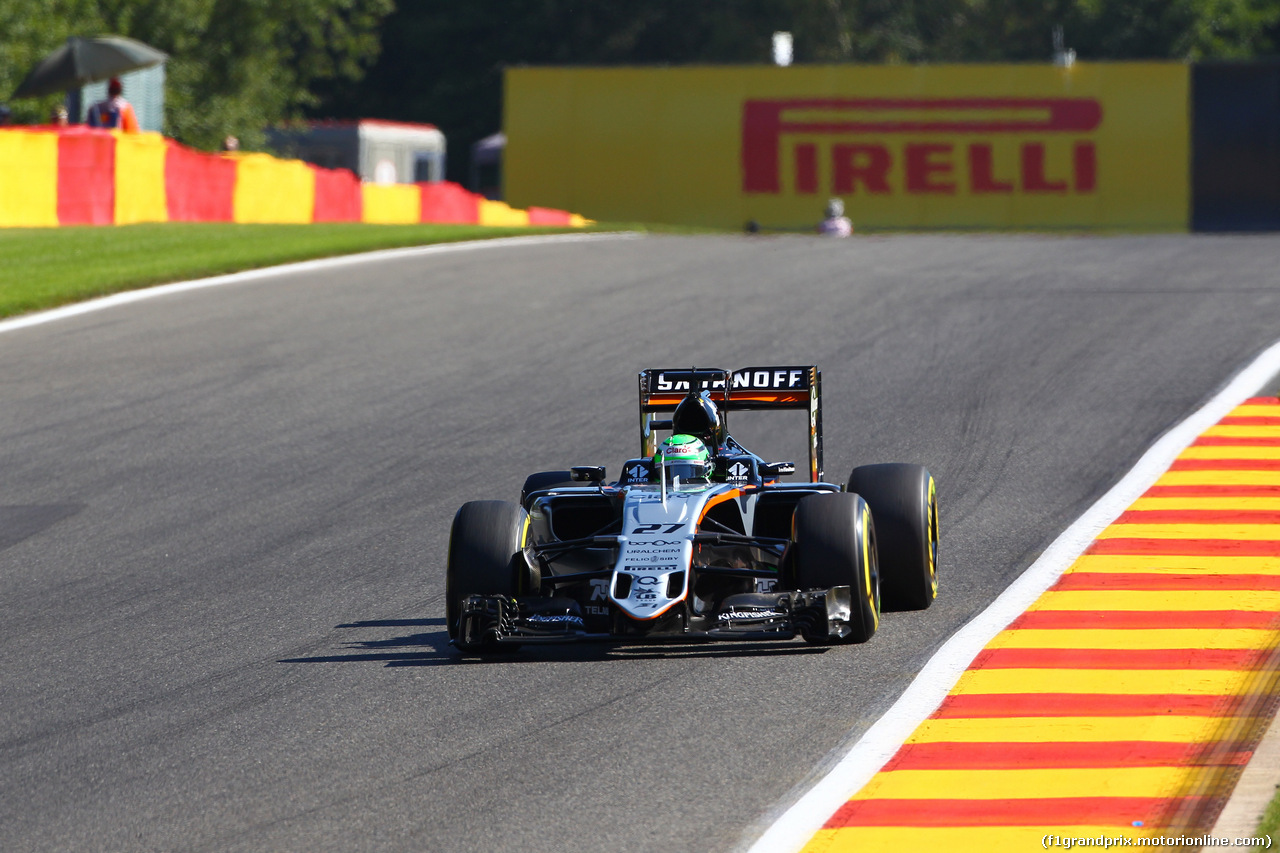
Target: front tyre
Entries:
(833, 543)
(485, 558)
(904, 502)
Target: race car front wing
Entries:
(818, 615)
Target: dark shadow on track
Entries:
(432, 649)
(391, 623)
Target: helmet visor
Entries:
(687, 471)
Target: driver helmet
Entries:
(835, 208)
(683, 456)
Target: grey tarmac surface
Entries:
(224, 517)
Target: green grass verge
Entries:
(47, 267)
(1270, 823)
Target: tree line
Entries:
(238, 66)
(235, 66)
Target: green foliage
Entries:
(236, 66)
(28, 31)
(1269, 826)
(1002, 30)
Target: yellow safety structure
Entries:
(29, 179)
(391, 204)
(140, 180)
(94, 176)
(501, 214)
(273, 191)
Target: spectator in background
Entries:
(6, 117)
(115, 111)
(230, 144)
(836, 224)
(58, 118)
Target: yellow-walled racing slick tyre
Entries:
(833, 543)
(904, 503)
(485, 558)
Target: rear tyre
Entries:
(485, 558)
(904, 502)
(833, 543)
(545, 480)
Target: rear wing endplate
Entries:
(747, 388)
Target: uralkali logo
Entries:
(885, 146)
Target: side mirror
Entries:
(777, 469)
(635, 471)
(737, 469)
(592, 473)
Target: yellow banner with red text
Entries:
(1096, 145)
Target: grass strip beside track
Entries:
(1270, 823)
(48, 267)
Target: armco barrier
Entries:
(199, 187)
(86, 193)
(547, 216)
(81, 176)
(338, 196)
(273, 191)
(499, 213)
(927, 146)
(140, 179)
(446, 202)
(392, 204)
(28, 179)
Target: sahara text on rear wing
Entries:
(747, 388)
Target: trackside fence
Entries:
(82, 176)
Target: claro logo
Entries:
(894, 145)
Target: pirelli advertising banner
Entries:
(1102, 145)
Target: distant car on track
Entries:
(698, 538)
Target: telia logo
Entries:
(862, 160)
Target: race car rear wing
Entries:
(748, 388)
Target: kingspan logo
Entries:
(554, 619)
(920, 146)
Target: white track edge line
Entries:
(799, 822)
(125, 297)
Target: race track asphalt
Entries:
(224, 517)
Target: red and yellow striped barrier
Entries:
(82, 176)
(1127, 699)
(29, 186)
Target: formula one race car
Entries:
(699, 538)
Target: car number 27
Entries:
(645, 529)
